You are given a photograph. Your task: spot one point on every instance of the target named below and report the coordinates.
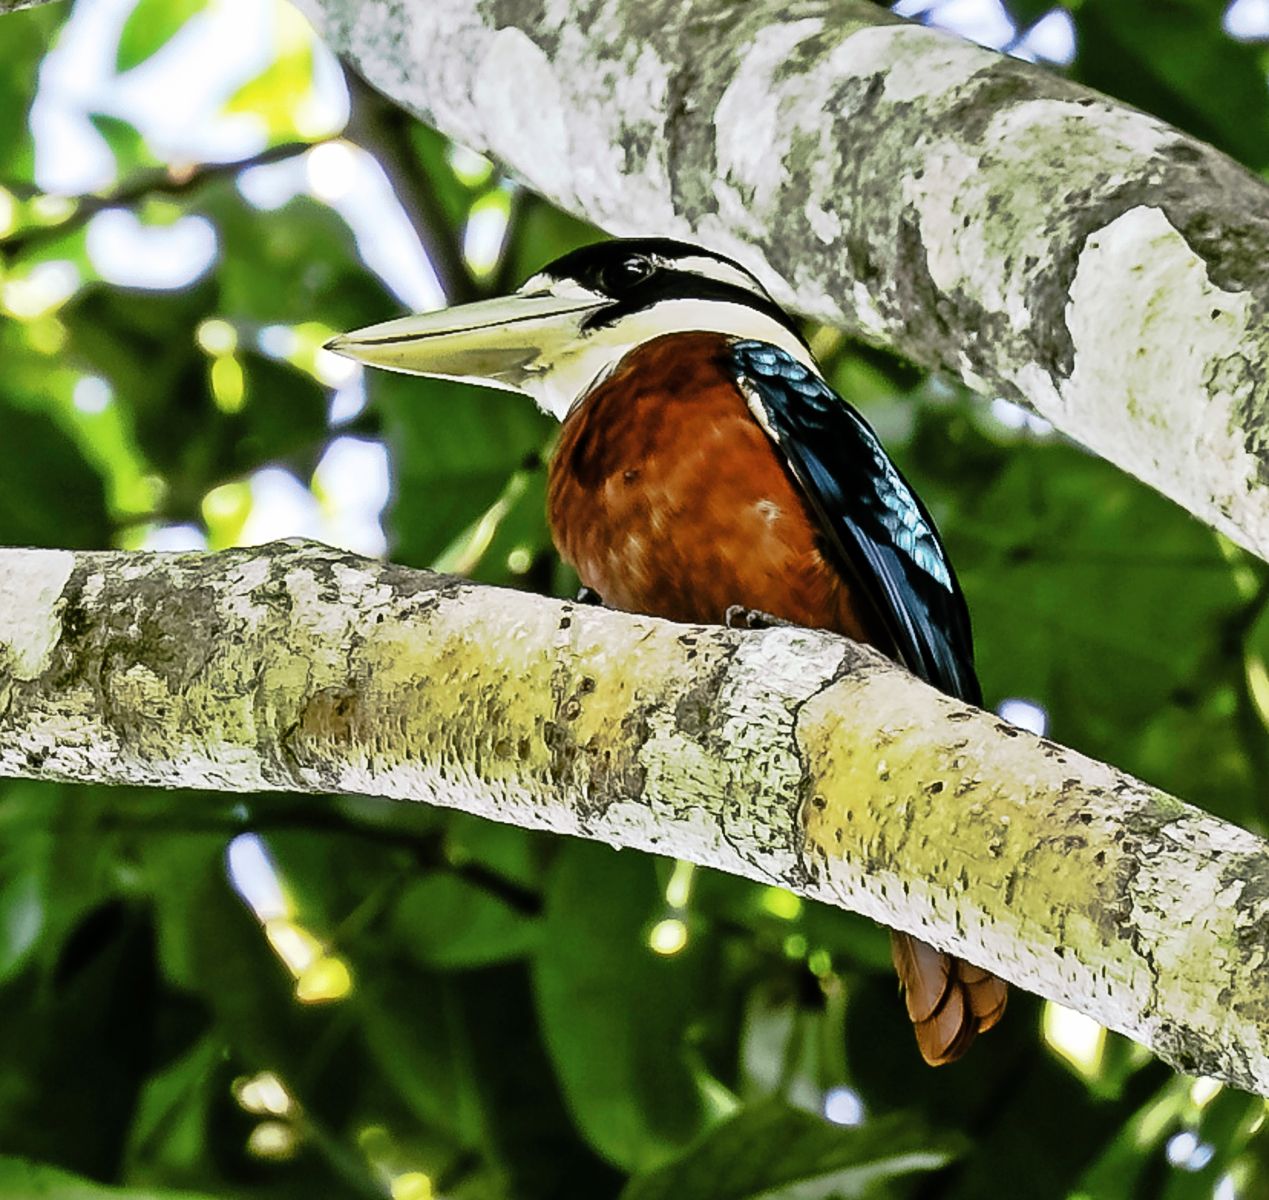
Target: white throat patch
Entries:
(559, 383)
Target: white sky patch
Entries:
(1247, 20)
(1025, 714)
(92, 395)
(348, 401)
(1187, 1153)
(1014, 417)
(353, 481)
(843, 1106)
(385, 239)
(43, 288)
(485, 233)
(278, 341)
(355, 186)
(1052, 39)
(329, 171)
(175, 537)
(272, 185)
(982, 21)
(255, 877)
(173, 98)
(125, 251)
(351, 485)
(281, 507)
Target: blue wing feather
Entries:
(879, 529)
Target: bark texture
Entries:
(788, 756)
(979, 214)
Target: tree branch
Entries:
(158, 181)
(382, 129)
(977, 213)
(788, 756)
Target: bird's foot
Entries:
(738, 616)
(587, 595)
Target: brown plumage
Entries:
(669, 499)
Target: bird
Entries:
(705, 467)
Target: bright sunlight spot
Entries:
(679, 890)
(1186, 1153)
(1077, 1038)
(126, 251)
(1025, 714)
(843, 1106)
(263, 1094)
(255, 877)
(1052, 38)
(330, 170)
(92, 395)
(216, 336)
(293, 944)
(1247, 20)
(327, 979)
(45, 287)
(413, 1185)
(228, 384)
(781, 903)
(274, 1140)
(668, 936)
(1204, 1090)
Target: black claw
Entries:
(587, 595)
(738, 616)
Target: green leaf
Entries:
(21, 1179)
(419, 1031)
(509, 851)
(446, 921)
(125, 142)
(1109, 606)
(49, 495)
(24, 36)
(294, 264)
(454, 450)
(149, 27)
(172, 1112)
(615, 1015)
(769, 1150)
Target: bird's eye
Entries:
(617, 276)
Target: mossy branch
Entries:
(788, 756)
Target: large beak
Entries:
(498, 342)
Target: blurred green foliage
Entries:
(427, 1005)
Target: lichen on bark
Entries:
(788, 756)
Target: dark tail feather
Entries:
(950, 1002)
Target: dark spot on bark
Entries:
(993, 89)
(332, 714)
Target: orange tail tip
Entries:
(950, 1002)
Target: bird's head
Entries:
(571, 323)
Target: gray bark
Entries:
(978, 214)
(788, 756)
